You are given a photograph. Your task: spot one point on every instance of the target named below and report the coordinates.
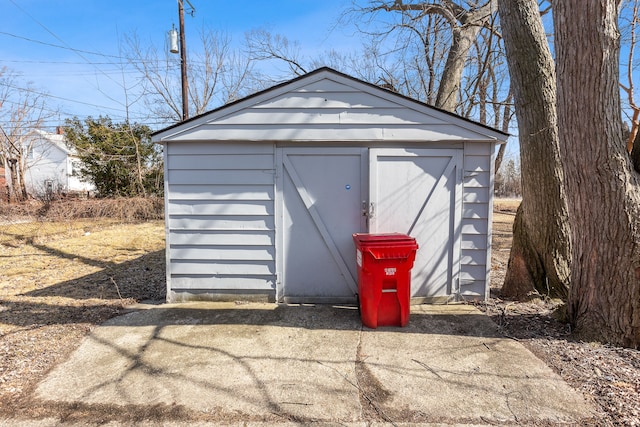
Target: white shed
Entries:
(263, 195)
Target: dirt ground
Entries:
(608, 376)
(59, 280)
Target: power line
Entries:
(81, 73)
(33, 61)
(59, 97)
(116, 113)
(55, 45)
(136, 116)
(70, 48)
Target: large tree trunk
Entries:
(540, 256)
(603, 190)
(462, 40)
(465, 25)
(463, 36)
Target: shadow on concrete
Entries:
(310, 317)
(313, 363)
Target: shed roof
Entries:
(326, 105)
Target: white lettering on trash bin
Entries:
(391, 271)
(359, 257)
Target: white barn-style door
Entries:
(419, 192)
(321, 193)
(327, 194)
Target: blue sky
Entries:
(91, 80)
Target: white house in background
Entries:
(262, 195)
(52, 166)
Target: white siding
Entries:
(220, 217)
(74, 181)
(475, 224)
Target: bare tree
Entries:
(216, 74)
(485, 92)
(23, 109)
(264, 46)
(411, 52)
(450, 52)
(277, 49)
(464, 21)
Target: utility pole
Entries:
(183, 63)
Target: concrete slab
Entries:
(264, 362)
(451, 363)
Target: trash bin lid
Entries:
(384, 239)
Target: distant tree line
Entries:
(507, 180)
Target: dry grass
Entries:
(59, 280)
(506, 205)
(59, 251)
(17, 233)
(504, 211)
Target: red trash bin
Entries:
(384, 277)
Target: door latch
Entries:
(367, 209)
